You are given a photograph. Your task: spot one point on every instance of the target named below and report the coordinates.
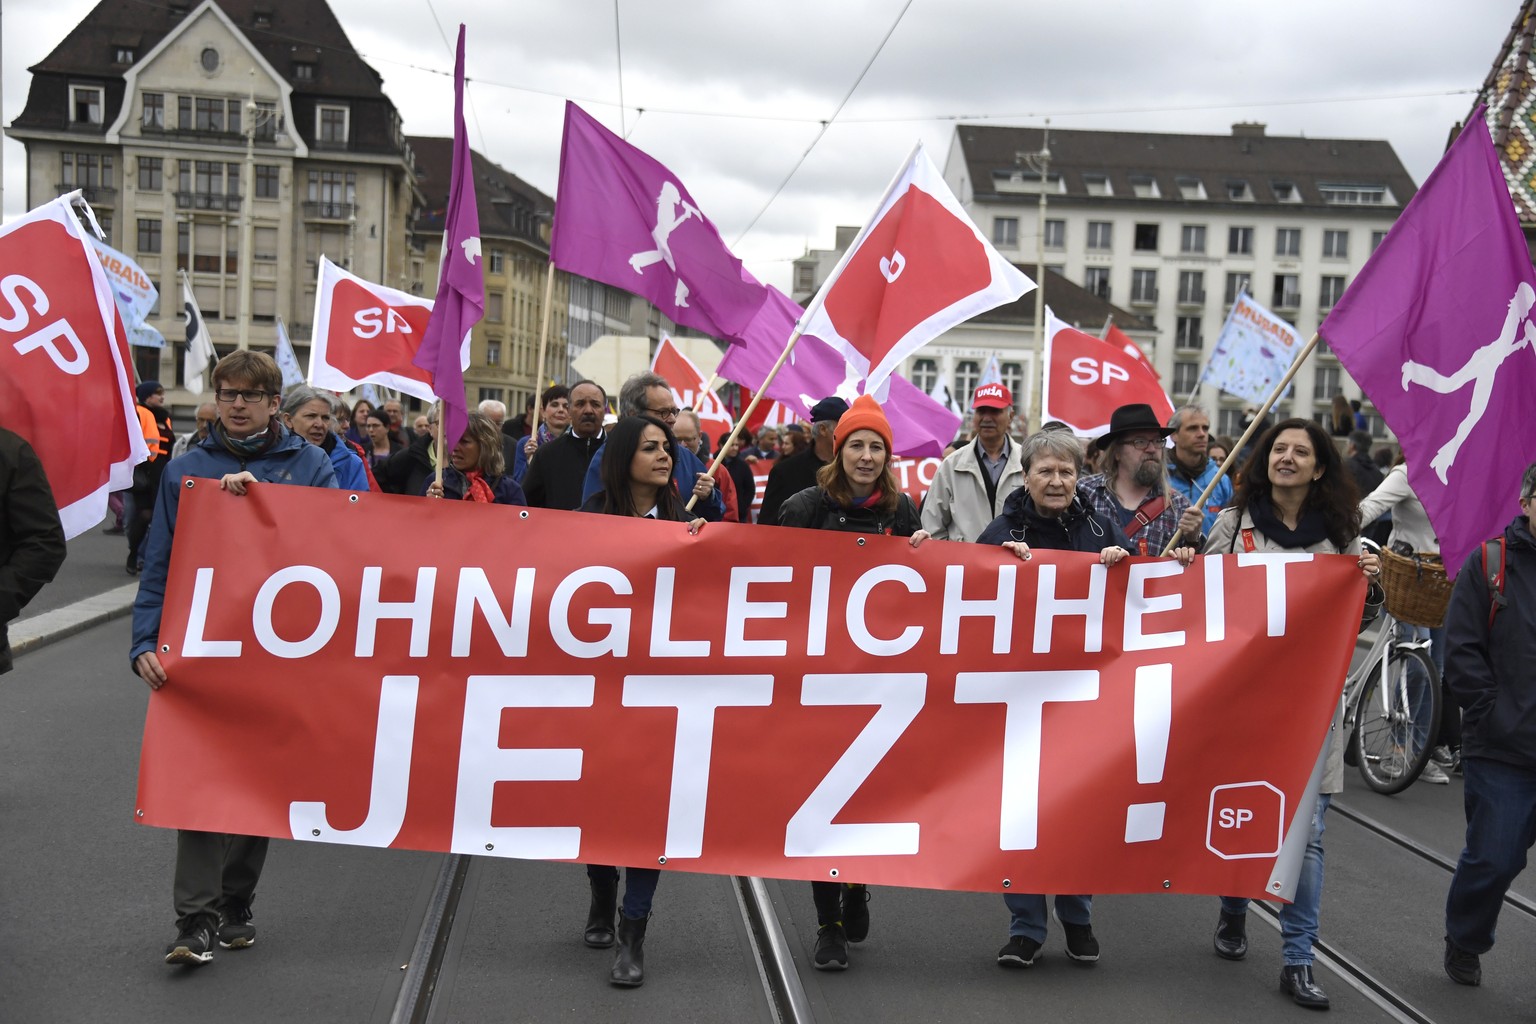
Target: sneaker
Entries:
(1020, 952)
(235, 928)
(194, 943)
(1443, 757)
(831, 948)
(855, 908)
(1463, 966)
(1392, 766)
(1434, 775)
(1081, 945)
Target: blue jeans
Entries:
(1501, 826)
(1424, 731)
(1028, 910)
(1298, 920)
(639, 887)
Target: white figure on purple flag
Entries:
(671, 212)
(1481, 367)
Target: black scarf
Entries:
(1310, 525)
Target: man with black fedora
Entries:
(794, 473)
(1132, 487)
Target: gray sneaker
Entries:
(1434, 775)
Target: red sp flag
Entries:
(1087, 379)
(917, 269)
(366, 333)
(1115, 336)
(691, 391)
(65, 379)
(502, 691)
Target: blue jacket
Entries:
(350, 475)
(686, 468)
(504, 488)
(1192, 486)
(292, 460)
(1079, 528)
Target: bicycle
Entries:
(1391, 709)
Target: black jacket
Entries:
(558, 471)
(407, 470)
(1077, 529)
(1490, 671)
(746, 486)
(31, 537)
(1367, 476)
(787, 478)
(813, 509)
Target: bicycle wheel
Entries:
(1395, 727)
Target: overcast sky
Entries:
(732, 92)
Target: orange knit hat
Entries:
(863, 414)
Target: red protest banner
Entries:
(835, 707)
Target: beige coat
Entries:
(956, 506)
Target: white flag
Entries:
(287, 359)
(993, 374)
(200, 353)
(942, 394)
(1255, 350)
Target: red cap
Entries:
(992, 396)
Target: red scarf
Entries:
(476, 489)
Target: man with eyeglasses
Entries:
(1131, 488)
(1490, 632)
(649, 394)
(216, 874)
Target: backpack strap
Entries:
(1495, 577)
(1145, 513)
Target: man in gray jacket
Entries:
(972, 484)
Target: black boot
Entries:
(629, 965)
(1231, 939)
(605, 898)
(1296, 982)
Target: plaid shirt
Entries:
(1150, 539)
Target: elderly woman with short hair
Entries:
(310, 413)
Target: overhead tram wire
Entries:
(825, 124)
(618, 55)
(453, 55)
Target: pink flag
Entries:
(690, 390)
(1438, 330)
(1087, 379)
(460, 299)
(917, 269)
(625, 220)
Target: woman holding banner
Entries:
(1295, 494)
(1047, 513)
(854, 493)
(476, 469)
(637, 482)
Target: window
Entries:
(1013, 377)
(1186, 333)
(303, 72)
(264, 242)
(153, 115)
(333, 192)
(1326, 384)
(1288, 242)
(491, 395)
(266, 181)
(209, 59)
(265, 121)
(1144, 286)
(1336, 245)
(1192, 238)
(925, 374)
(1330, 290)
(1186, 377)
(332, 124)
(493, 307)
(1354, 195)
(1287, 294)
(1238, 192)
(1145, 238)
(1237, 283)
(1240, 241)
(1191, 188)
(209, 177)
(1100, 234)
(1230, 422)
(1005, 232)
(209, 115)
(1096, 280)
(498, 261)
(151, 174)
(1377, 237)
(1192, 287)
(1098, 185)
(967, 376)
(149, 235)
(183, 245)
(1285, 192)
(1144, 186)
(87, 170)
(122, 55)
(805, 277)
(85, 104)
(1055, 234)
(493, 353)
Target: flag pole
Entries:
(1104, 331)
(538, 370)
(1258, 418)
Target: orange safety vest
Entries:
(151, 430)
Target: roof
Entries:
(1070, 302)
(508, 205)
(1126, 159)
(1511, 117)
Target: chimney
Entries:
(1248, 130)
(846, 235)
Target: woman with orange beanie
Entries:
(854, 493)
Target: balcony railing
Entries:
(329, 211)
(1143, 296)
(1194, 297)
(1288, 300)
(207, 201)
(105, 194)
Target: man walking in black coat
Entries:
(558, 468)
(31, 537)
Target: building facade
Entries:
(210, 143)
(1173, 227)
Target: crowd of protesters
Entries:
(1295, 491)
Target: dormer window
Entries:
(1238, 192)
(85, 104)
(303, 72)
(1354, 195)
(123, 55)
(1191, 188)
(262, 18)
(1098, 185)
(1285, 192)
(1144, 186)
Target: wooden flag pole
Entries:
(1258, 418)
(538, 369)
(439, 442)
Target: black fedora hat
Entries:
(1128, 418)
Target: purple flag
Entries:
(460, 299)
(1437, 330)
(625, 220)
(920, 427)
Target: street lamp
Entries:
(255, 118)
(1040, 164)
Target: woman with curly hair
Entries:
(476, 470)
(1295, 494)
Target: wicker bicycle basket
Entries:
(1416, 587)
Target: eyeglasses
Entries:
(670, 412)
(251, 397)
(1142, 444)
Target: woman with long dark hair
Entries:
(854, 493)
(1295, 494)
(637, 482)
